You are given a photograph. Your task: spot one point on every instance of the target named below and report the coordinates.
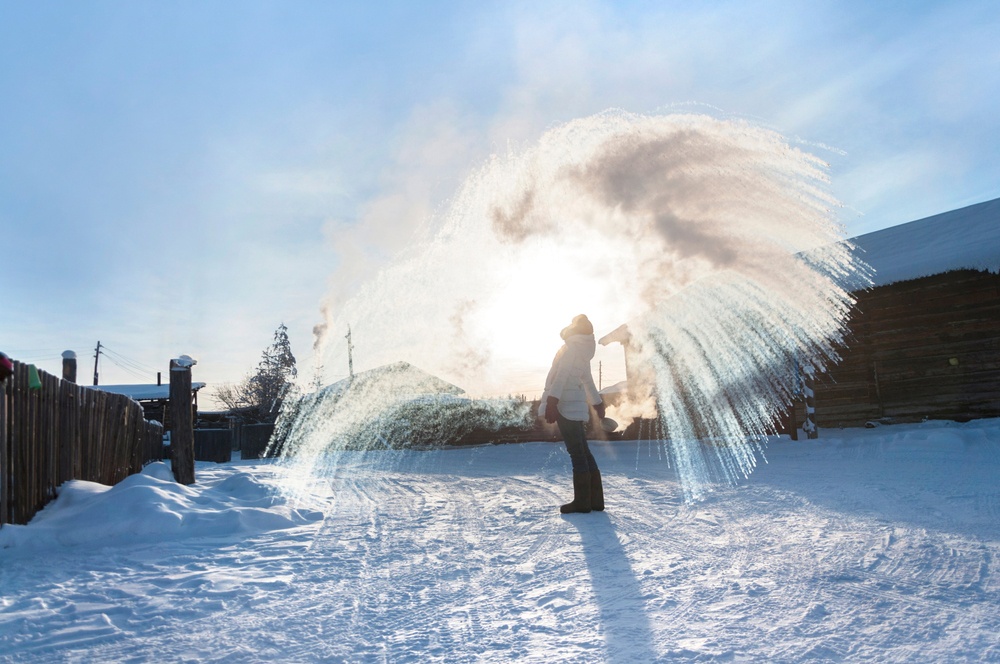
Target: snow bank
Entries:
(150, 506)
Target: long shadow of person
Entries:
(620, 599)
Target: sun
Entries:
(536, 293)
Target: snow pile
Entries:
(150, 506)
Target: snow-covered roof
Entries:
(965, 238)
(143, 392)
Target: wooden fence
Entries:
(253, 440)
(215, 445)
(57, 431)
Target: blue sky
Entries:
(182, 177)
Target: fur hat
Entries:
(580, 325)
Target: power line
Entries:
(127, 364)
(126, 369)
(30, 351)
(33, 357)
(138, 366)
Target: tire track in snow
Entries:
(850, 575)
(457, 557)
(451, 554)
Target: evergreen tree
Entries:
(275, 374)
(274, 381)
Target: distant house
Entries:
(213, 434)
(154, 398)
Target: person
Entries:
(569, 391)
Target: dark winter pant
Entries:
(576, 444)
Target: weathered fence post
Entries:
(69, 366)
(182, 420)
(69, 426)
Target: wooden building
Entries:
(925, 348)
(924, 340)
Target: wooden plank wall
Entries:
(925, 348)
(64, 431)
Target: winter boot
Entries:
(596, 491)
(581, 494)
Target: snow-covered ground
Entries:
(879, 545)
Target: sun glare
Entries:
(536, 295)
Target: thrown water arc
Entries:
(723, 246)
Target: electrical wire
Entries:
(122, 359)
(31, 351)
(129, 370)
(33, 355)
(132, 367)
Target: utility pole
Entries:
(97, 355)
(350, 353)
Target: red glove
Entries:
(551, 410)
(601, 410)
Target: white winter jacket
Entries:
(570, 380)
